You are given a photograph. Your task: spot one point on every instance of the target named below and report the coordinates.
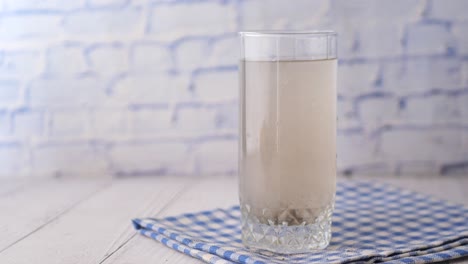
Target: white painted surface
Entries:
(8, 187)
(89, 221)
(97, 226)
(36, 205)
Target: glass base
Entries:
(286, 231)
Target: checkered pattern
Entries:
(372, 223)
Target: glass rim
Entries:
(287, 33)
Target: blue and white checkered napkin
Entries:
(372, 223)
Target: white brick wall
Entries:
(10, 93)
(348, 74)
(141, 87)
(28, 124)
(151, 57)
(66, 92)
(55, 5)
(21, 26)
(459, 30)
(150, 158)
(107, 59)
(106, 3)
(195, 120)
(192, 54)
(227, 117)
(409, 144)
(218, 156)
(14, 159)
(5, 123)
(73, 158)
(225, 52)
(72, 52)
(109, 122)
(104, 23)
(464, 145)
(387, 44)
(422, 74)
(170, 21)
(150, 121)
(68, 124)
(438, 108)
(347, 115)
(425, 39)
(464, 73)
(350, 159)
(377, 111)
(449, 9)
(462, 104)
(281, 14)
(20, 63)
(211, 86)
(400, 10)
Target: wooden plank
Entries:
(98, 226)
(464, 188)
(206, 194)
(36, 205)
(11, 186)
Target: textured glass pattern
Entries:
(286, 230)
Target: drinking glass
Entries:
(287, 146)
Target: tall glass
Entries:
(287, 147)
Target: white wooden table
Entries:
(68, 221)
